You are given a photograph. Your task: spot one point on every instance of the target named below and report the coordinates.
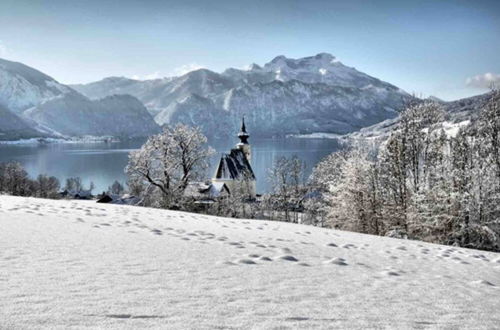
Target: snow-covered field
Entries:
(78, 264)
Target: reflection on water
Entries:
(104, 163)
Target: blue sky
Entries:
(449, 49)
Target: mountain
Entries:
(467, 108)
(285, 96)
(74, 114)
(32, 104)
(193, 110)
(22, 87)
(12, 127)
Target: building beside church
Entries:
(235, 169)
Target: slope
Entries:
(77, 264)
(74, 114)
(12, 127)
(22, 87)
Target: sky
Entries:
(449, 49)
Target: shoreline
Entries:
(69, 140)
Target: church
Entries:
(235, 170)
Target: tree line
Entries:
(422, 182)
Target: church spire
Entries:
(243, 135)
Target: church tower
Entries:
(243, 144)
(235, 170)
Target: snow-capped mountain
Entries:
(75, 115)
(284, 96)
(22, 87)
(33, 104)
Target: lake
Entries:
(103, 163)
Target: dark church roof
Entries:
(234, 166)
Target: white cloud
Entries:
(486, 80)
(3, 49)
(187, 68)
(154, 75)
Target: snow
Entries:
(78, 264)
(317, 135)
(452, 129)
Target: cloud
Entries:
(486, 80)
(182, 70)
(154, 75)
(3, 49)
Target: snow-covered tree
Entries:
(74, 184)
(46, 186)
(287, 179)
(14, 179)
(116, 188)
(167, 162)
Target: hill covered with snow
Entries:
(32, 104)
(458, 113)
(77, 264)
(22, 87)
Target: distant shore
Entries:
(67, 140)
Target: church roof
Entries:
(234, 166)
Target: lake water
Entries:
(103, 163)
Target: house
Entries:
(117, 199)
(76, 194)
(235, 169)
(206, 191)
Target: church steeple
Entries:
(243, 135)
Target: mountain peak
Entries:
(253, 67)
(279, 58)
(324, 56)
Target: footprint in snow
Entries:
(392, 272)
(288, 258)
(264, 258)
(483, 282)
(285, 250)
(246, 261)
(336, 261)
(331, 245)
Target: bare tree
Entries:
(167, 162)
(287, 178)
(116, 188)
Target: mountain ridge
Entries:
(33, 104)
(346, 98)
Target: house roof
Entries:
(234, 166)
(205, 190)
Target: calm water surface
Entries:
(103, 163)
